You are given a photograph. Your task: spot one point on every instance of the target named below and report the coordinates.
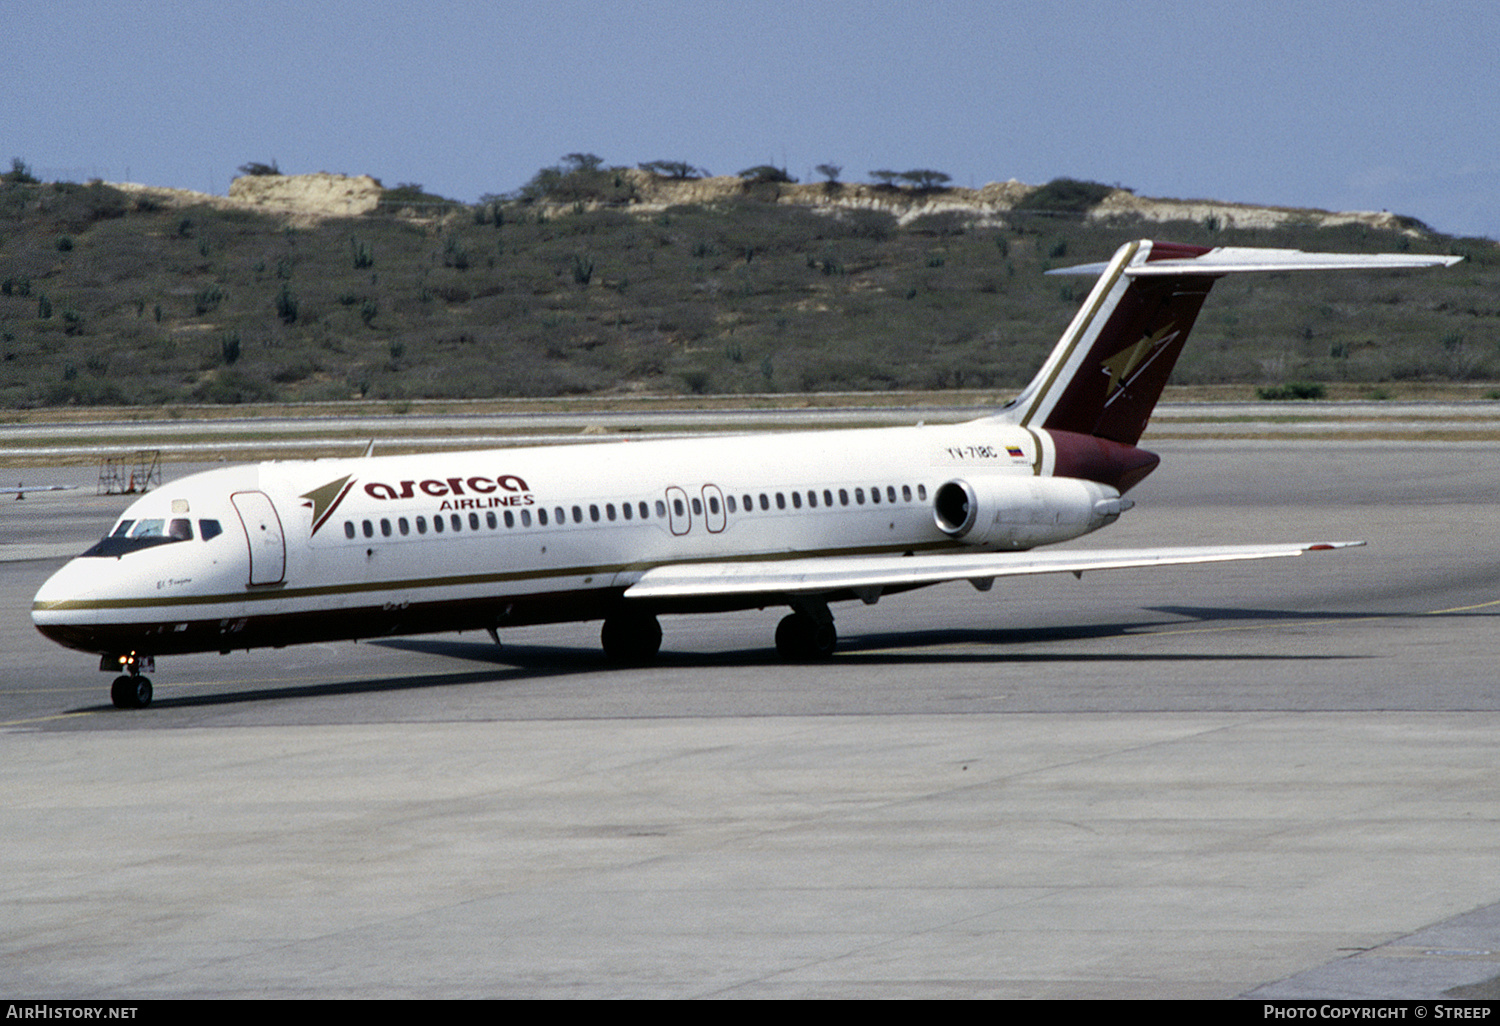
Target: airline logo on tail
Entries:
(1127, 364)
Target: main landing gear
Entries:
(807, 635)
(631, 639)
(130, 690)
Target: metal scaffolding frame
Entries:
(127, 475)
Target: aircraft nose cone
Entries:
(59, 608)
(73, 581)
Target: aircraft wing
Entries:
(868, 576)
(20, 490)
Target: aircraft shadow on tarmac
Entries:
(519, 662)
(904, 646)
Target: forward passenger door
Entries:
(264, 535)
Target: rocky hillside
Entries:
(330, 287)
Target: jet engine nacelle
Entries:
(1019, 512)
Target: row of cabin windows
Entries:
(626, 511)
(543, 517)
(812, 495)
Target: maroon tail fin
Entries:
(1107, 372)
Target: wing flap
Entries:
(861, 574)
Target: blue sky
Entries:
(1339, 104)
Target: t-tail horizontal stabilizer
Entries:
(1108, 370)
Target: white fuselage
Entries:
(321, 549)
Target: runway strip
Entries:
(1272, 780)
(208, 434)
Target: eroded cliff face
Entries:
(987, 205)
(328, 195)
(656, 193)
(322, 194)
(301, 196)
(1239, 215)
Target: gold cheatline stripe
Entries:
(271, 593)
(1082, 331)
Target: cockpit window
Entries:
(209, 529)
(134, 535)
(117, 545)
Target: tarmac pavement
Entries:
(1270, 780)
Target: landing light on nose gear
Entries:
(130, 690)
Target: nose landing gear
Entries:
(131, 690)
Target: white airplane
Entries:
(284, 553)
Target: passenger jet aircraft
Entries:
(284, 553)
